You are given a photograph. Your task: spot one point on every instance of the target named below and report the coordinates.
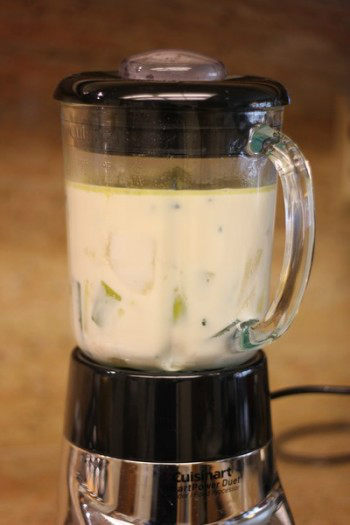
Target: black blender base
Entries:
(159, 448)
(168, 417)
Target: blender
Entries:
(171, 170)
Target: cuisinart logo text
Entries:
(203, 476)
(209, 482)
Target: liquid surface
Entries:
(157, 273)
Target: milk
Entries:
(157, 273)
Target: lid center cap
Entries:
(171, 65)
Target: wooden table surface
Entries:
(36, 341)
(35, 315)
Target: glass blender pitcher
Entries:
(171, 173)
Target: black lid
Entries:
(164, 417)
(233, 94)
(167, 103)
(172, 79)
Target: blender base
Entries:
(98, 490)
(164, 449)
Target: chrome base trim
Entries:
(96, 489)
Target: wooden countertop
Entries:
(303, 46)
(36, 341)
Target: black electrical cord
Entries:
(310, 389)
(313, 429)
(284, 440)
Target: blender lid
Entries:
(171, 79)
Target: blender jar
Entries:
(171, 171)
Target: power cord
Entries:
(310, 389)
(312, 429)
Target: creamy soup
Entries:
(157, 273)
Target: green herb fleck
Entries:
(110, 292)
(179, 307)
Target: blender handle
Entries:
(295, 176)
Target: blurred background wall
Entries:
(303, 44)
